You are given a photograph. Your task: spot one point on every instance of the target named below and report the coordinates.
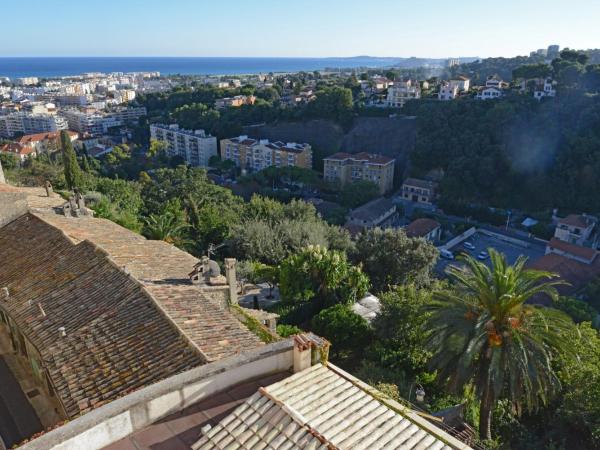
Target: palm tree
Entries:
(484, 334)
(166, 227)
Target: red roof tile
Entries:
(572, 249)
(421, 227)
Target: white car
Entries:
(483, 255)
(447, 254)
(468, 245)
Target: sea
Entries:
(48, 67)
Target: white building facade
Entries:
(194, 146)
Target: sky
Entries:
(300, 28)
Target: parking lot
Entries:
(483, 242)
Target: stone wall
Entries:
(12, 206)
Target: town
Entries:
(397, 255)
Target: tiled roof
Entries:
(373, 209)
(575, 220)
(423, 184)
(321, 408)
(163, 271)
(576, 273)
(116, 339)
(16, 148)
(29, 138)
(572, 249)
(421, 227)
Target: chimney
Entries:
(302, 353)
(231, 280)
(5, 293)
(62, 332)
(2, 179)
(309, 349)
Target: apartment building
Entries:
(347, 168)
(91, 121)
(194, 146)
(236, 101)
(24, 122)
(401, 92)
(420, 191)
(258, 154)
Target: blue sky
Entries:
(435, 28)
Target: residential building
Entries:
(44, 142)
(22, 152)
(347, 168)
(401, 92)
(30, 123)
(428, 229)
(463, 83)
(258, 154)
(451, 62)
(576, 252)
(194, 146)
(380, 212)
(129, 114)
(496, 82)
(544, 88)
(236, 101)
(97, 311)
(26, 81)
(489, 93)
(123, 96)
(89, 121)
(575, 228)
(420, 191)
(448, 91)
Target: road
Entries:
(18, 420)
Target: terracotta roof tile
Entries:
(421, 227)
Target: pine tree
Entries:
(73, 175)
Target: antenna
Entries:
(212, 248)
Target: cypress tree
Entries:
(85, 165)
(73, 175)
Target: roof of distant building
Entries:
(575, 220)
(373, 209)
(324, 407)
(421, 227)
(372, 158)
(416, 182)
(31, 138)
(16, 148)
(367, 307)
(573, 249)
(576, 273)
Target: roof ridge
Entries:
(297, 417)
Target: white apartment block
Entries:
(95, 123)
(30, 123)
(194, 146)
(448, 91)
(401, 92)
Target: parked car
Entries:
(447, 254)
(468, 245)
(483, 255)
